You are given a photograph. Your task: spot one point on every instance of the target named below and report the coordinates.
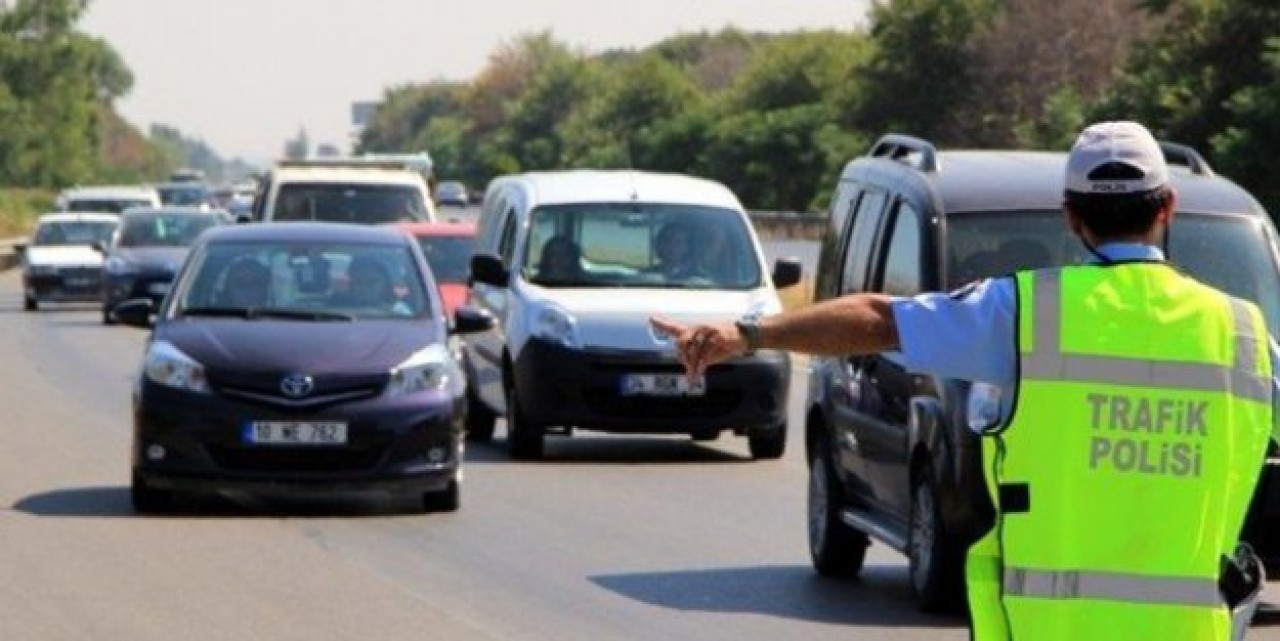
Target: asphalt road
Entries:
(611, 538)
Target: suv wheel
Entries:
(147, 499)
(769, 443)
(936, 566)
(480, 419)
(524, 437)
(835, 548)
(447, 500)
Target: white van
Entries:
(572, 264)
(111, 199)
(344, 190)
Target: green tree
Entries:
(1246, 149)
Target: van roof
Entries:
(348, 174)
(592, 185)
(1009, 180)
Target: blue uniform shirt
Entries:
(969, 333)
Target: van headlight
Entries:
(557, 326)
(167, 365)
(430, 368)
(983, 407)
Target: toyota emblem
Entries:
(297, 385)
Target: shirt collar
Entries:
(1122, 252)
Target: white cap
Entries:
(1127, 143)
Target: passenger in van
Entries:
(561, 261)
(675, 252)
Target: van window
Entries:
(641, 245)
(861, 242)
(902, 275)
(507, 244)
(368, 204)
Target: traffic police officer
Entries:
(1144, 403)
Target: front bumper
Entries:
(583, 388)
(117, 288)
(79, 284)
(388, 446)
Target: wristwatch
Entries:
(749, 329)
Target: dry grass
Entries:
(19, 209)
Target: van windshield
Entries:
(369, 204)
(1232, 253)
(640, 245)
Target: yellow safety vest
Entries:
(1122, 478)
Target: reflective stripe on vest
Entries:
(1047, 362)
(1133, 588)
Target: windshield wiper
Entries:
(234, 312)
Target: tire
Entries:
(447, 500)
(835, 548)
(525, 438)
(29, 304)
(147, 499)
(480, 419)
(935, 564)
(769, 443)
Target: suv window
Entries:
(866, 222)
(902, 275)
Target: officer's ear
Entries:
(1074, 223)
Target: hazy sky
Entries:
(245, 75)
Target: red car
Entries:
(447, 247)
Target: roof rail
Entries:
(1175, 153)
(901, 148)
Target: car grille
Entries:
(264, 389)
(295, 459)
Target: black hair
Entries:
(1109, 215)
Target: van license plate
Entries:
(296, 433)
(662, 385)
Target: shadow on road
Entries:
(113, 502)
(594, 447)
(880, 597)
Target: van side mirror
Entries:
(99, 246)
(787, 272)
(244, 218)
(470, 320)
(19, 248)
(488, 269)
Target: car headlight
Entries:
(118, 266)
(557, 326)
(430, 368)
(983, 407)
(168, 366)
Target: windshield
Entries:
(303, 281)
(108, 205)
(187, 194)
(449, 256)
(73, 233)
(349, 203)
(1232, 253)
(162, 230)
(640, 245)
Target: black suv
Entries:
(890, 452)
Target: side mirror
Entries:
(135, 312)
(470, 320)
(488, 269)
(243, 218)
(786, 272)
(19, 248)
(99, 246)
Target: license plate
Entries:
(295, 433)
(79, 282)
(159, 289)
(662, 385)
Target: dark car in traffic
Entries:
(147, 251)
(893, 454)
(303, 358)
